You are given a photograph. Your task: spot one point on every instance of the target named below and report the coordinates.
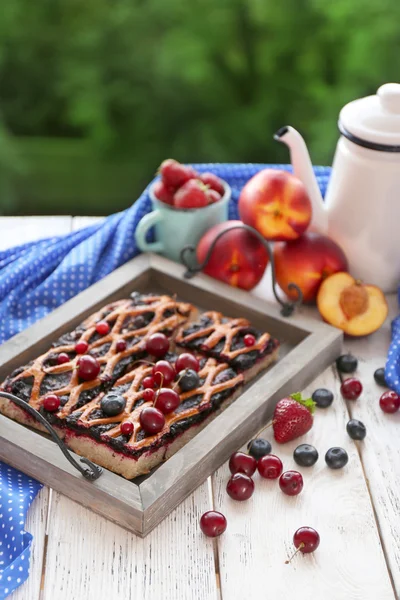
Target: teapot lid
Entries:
(374, 121)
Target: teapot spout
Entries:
(302, 168)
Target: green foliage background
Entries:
(95, 93)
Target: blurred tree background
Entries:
(94, 94)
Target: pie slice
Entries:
(224, 339)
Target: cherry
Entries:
(240, 462)
(148, 395)
(213, 523)
(81, 347)
(270, 466)
(167, 400)
(389, 402)
(306, 540)
(291, 483)
(88, 367)
(148, 382)
(249, 340)
(240, 487)
(151, 420)
(126, 428)
(187, 361)
(120, 346)
(51, 403)
(157, 345)
(351, 388)
(163, 373)
(62, 358)
(102, 327)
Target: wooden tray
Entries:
(307, 347)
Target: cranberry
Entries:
(240, 462)
(148, 395)
(240, 487)
(88, 367)
(148, 382)
(51, 403)
(187, 361)
(102, 327)
(306, 540)
(157, 345)
(213, 523)
(351, 388)
(270, 466)
(120, 346)
(152, 420)
(126, 428)
(81, 347)
(167, 400)
(291, 483)
(163, 372)
(62, 358)
(249, 340)
(389, 402)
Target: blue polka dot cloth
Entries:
(37, 277)
(392, 369)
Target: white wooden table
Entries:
(78, 555)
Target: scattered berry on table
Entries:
(81, 347)
(240, 487)
(240, 462)
(188, 380)
(270, 466)
(351, 388)
(127, 428)
(305, 455)
(163, 373)
(336, 458)
(51, 403)
(259, 447)
(112, 404)
(379, 377)
(88, 367)
(187, 361)
(306, 540)
(292, 418)
(157, 345)
(213, 523)
(152, 420)
(291, 483)
(322, 397)
(347, 363)
(389, 402)
(120, 346)
(249, 340)
(356, 429)
(62, 358)
(167, 400)
(102, 327)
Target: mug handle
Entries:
(144, 225)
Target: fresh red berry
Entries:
(213, 182)
(148, 395)
(240, 487)
(148, 382)
(306, 539)
(240, 462)
(249, 340)
(270, 466)
(213, 523)
(187, 361)
(351, 388)
(163, 192)
(292, 418)
(174, 174)
(291, 483)
(167, 400)
(163, 373)
(51, 403)
(157, 345)
(102, 327)
(213, 196)
(193, 194)
(152, 420)
(81, 347)
(389, 402)
(120, 346)
(88, 367)
(127, 428)
(62, 358)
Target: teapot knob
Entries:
(389, 95)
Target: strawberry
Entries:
(213, 182)
(213, 196)
(193, 194)
(163, 193)
(292, 418)
(174, 175)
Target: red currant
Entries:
(88, 367)
(291, 483)
(213, 523)
(157, 345)
(152, 420)
(102, 327)
(389, 402)
(62, 358)
(81, 347)
(148, 382)
(249, 340)
(240, 462)
(120, 346)
(51, 403)
(187, 361)
(351, 388)
(126, 428)
(163, 373)
(270, 466)
(240, 487)
(167, 400)
(148, 395)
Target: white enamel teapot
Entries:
(361, 211)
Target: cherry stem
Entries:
(294, 553)
(261, 430)
(159, 388)
(179, 379)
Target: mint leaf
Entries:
(307, 402)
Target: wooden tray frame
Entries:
(308, 348)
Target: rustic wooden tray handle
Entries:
(90, 471)
(188, 252)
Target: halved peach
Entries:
(356, 308)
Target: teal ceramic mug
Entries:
(176, 228)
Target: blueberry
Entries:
(379, 377)
(356, 429)
(258, 448)
(305, 455)
(188, 380)
(139, 322)
(112, 404)
(322, 397)
(336, 458)
(346, 363)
